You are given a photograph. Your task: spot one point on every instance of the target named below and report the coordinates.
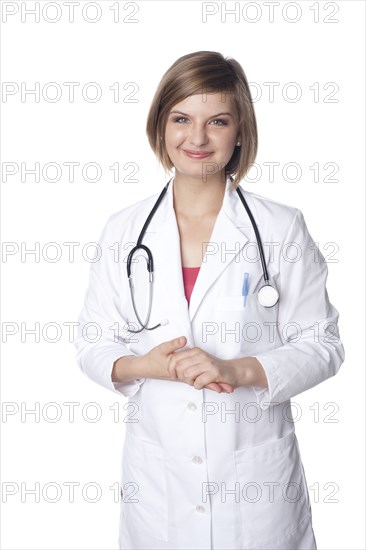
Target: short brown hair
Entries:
(205, 72)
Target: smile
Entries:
(197, 155)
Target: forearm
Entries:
(249, 372)
(129, 367)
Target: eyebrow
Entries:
(185, 114)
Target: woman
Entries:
(211, 459)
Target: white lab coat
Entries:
(203, 470)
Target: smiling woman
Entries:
(200, 135)
(191, 479)
(195, 91)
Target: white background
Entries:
(308, 131)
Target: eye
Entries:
(180, 118)
(222, 122)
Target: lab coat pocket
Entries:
(273, 492)
(144, 470)
(251, 326)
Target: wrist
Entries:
(128, 367)
(249, 372)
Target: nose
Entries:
(198, 135)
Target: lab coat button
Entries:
(200, 508)
(197, 460)
(192, 406)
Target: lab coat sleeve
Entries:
(311, 349)
(100, 338)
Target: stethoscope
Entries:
(268, 296)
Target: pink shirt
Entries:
(189, 277)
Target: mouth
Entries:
(197, 154)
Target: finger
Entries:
(226, 387)
(172, 345)
(220, 387)
(183, 358)
(215, 387)
(183, 363)
(203, 380)
(189, 372)
(173, 354)
(186, 354)
(188, 375)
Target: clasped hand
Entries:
(200, 369)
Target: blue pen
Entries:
(245, 288)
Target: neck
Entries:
(194, 198)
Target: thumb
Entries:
(176, 343)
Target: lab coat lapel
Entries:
(230, 234)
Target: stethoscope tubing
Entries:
(150, 260)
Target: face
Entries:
(201, 134)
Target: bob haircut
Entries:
(205, 72)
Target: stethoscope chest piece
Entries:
(268, 296)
